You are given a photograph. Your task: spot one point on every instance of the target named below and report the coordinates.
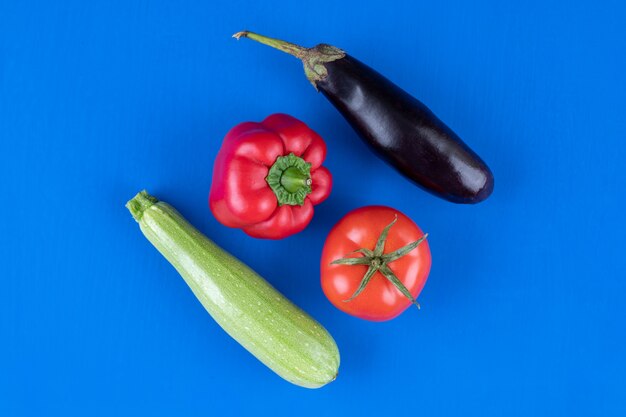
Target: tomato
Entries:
(375, 263)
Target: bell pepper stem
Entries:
(290, 179)
(294, 179)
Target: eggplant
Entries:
(397, 126)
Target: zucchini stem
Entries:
(140, 203)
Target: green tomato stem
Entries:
(377, 261)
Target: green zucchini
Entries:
(247, 307)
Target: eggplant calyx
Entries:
(377, 261)
(315, 58)
(312, 58)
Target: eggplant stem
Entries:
(288, 47)
(314, 59)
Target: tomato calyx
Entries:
(378, 261)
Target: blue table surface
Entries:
(524, 310)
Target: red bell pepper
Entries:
(268, 176)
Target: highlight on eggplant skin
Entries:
(398, 127)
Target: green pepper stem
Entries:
(290, 179)
(294, 179)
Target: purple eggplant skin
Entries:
(405, 133)
(397, 126)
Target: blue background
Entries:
(523, 313)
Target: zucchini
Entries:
(247, 307)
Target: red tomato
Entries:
(343, 270)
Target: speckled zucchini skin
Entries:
(247, 307)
